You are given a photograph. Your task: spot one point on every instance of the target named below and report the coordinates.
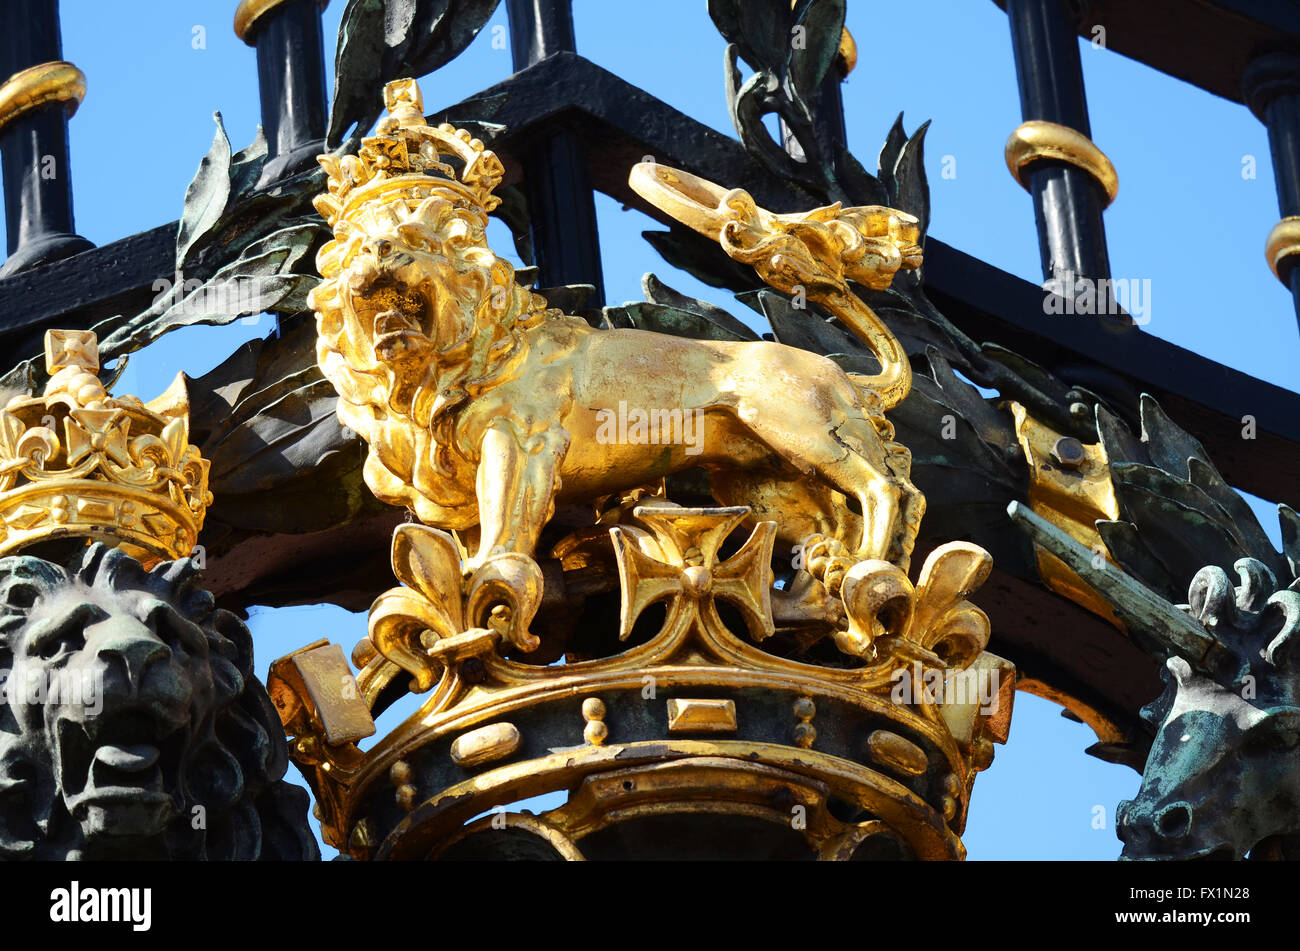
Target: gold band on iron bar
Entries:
(1038, 139)
(848, 51)
(249, 11)
(40, 85)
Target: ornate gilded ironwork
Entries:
(482, 408)
(640, 711)
(752, 568)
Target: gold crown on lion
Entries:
(77, 462)
(403, 160)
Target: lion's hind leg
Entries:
(810, 517)
(800, 507)
(876, 471)
(832, 440)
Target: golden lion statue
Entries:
(481, 406)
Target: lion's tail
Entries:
(894, 380)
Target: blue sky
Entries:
(1186, 219)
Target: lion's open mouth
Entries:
(397, 318)
(125, 759)
(390, 327)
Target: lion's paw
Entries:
(504, 594)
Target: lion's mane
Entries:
(236, 753)
(482, 336)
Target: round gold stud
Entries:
(593, 711)
(1283, 241)
(805, 734)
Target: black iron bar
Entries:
(1068, 202)
(557, 177)
(291, 83)
(34, 153)
(1271, 88)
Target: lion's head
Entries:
(132, 725)
(415, 315)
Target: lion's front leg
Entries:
(517, 480)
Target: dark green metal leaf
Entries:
(383, 40)
(657, 292)
(863, 363)
(1237, 514)
(860, 186)
(701, 258)
(1128, 548)
(1290, 537)
(806, 65)
(20, 381)
(804, 328)
(1119, 443)
(1175, 520)
(358, 67)
(1169, 445)
(727, 16)
(994, 428)
(278, 267)
(942, 434)
(889, 153)
(567, 297)
(284, 433)
(207, 195)
(1027, 371)
(246, 166)
(667, 320)
(911, 189)
(917, 332)
(748, 106)
(759, 28)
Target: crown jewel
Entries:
(403, 160)
(78, 462)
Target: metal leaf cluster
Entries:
(1178, 514)
(382, 40)
(239, 250)
(791, 49)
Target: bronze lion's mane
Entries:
(234, 756)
